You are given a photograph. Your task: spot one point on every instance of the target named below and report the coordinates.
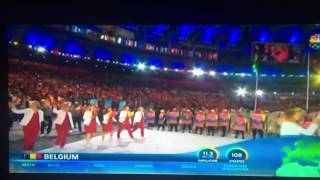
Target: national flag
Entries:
(33, 156)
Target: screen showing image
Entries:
(276, 52)
(100, 103)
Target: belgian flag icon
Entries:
(33, 156)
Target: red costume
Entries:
(199, 119)
(31, 124)
(173, 117)
(62, 131)
(257, 121)
(139, 122)
(108, 127)
(150, 115)
(212, 119)
(31, 132)
(224, 119)
(240, 123)
(186, 118)
(124, 123)
(92, 127)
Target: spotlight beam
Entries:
(197, 72)
(141, 66)
(241, 92)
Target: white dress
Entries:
(290, 128)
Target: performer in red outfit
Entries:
(199, 121)
(212, 122)
(124, 122)
(150, 118)
(186, 119)
(90, 123)
(257, 123)
(239, 125)
(63, 124)
(224, 120)
(32, 118)
(139, 121)
(107, 127)
(172, 119)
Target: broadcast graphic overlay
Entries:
(184, 99)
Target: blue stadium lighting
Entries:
(160, 29)
(165, 69)
(155, 61)
(9, 36)
(293, 34)
(235, 36)
(177, 65)
(261, 33)
(209, 34)
(197, 72)
(264, 36)
(131, 27)
(295, 37)
(129, 59)
(73, 47)
(102, 54)
(225, 73)
(36, 38)
(185, 31)
(141, 66)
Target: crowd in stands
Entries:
(37, 81)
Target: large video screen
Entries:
(276, 52)
(70, 112)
